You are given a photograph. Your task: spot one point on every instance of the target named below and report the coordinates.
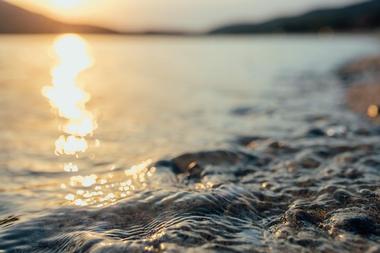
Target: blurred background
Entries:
(184, 17)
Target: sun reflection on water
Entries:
(94, 190)
(67, 97)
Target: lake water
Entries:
(84, 119)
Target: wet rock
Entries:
(342, 196)
(249, 140)
(353, 173)
(356, 223)
(219, 157)
(371, 162)
(362, 132)
(298, 216)
(308, 243)
(307, 160)
(367, 193)
(274, 147)
(315, 132)
(242, 111)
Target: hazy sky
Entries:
(171, 14)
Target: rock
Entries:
(315, 132)
(356, 223)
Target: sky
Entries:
(192, 15)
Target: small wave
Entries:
(317, 192)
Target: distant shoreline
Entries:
(204, 35)
(354, 18)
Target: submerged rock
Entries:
(354, 222)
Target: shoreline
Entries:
(362, 78)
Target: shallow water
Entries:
(272, 159)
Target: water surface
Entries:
(274, 162)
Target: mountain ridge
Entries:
(363, 16)
(360, 16)
(14, 19)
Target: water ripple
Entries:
(307, 193)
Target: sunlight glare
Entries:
(105, 189)
(67, 96)
(70, 145)
(66, 4)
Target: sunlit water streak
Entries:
(70, 99)
(67, 97)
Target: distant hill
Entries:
(17, 20)
(362, 16)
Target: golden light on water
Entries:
(67, 97)
(70, 167)
(100, 190)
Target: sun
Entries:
(66, 4)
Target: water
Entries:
(256, 149)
